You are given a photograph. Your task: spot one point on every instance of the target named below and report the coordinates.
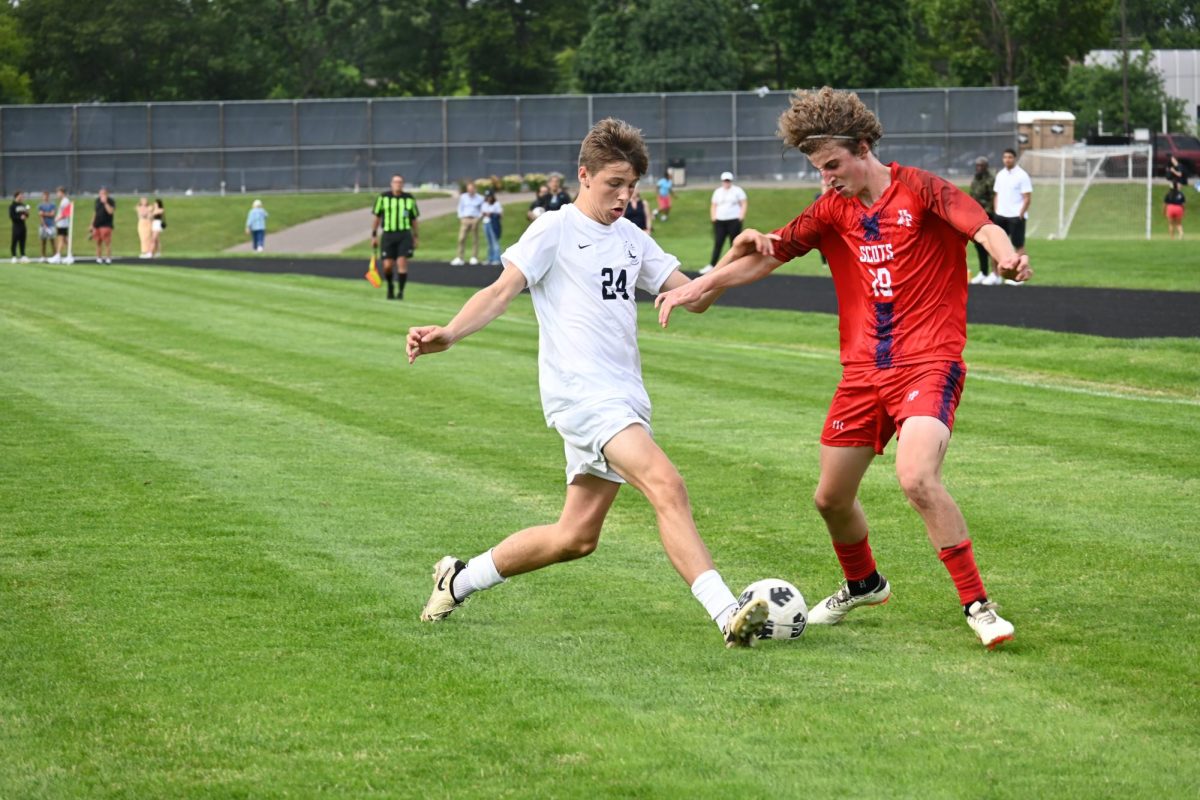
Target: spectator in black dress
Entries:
(18, 212)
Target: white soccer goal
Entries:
(1064, 176)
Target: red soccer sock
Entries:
(960, 563)
(856, 559)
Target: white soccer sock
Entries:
(480, 574)
(715, 596)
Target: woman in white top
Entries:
(492, 212)
(582, 264)
(727, 212)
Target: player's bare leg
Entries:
(637, 458)
(574, 535)
(836, 499)
(919, 457)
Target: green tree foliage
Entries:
(1090, 89)
(512, 46)
(659, 46)
(14, 81)
(849, 43)
(1027, 43)
(1158, 24)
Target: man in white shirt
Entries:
(470, 210)
(727, 211)
(582, 264)
(1011, 201)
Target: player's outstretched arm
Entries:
(1008, 262)
(751, 258)
(483, 307)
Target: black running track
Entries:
(1117, 313)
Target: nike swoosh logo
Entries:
(581, 246)
(442, 582)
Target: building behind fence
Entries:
(311, 145)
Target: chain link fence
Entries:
(316, 145)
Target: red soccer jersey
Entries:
(899, 267)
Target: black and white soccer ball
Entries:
(787, 613)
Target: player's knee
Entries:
(919, 486)
(832, 504)
(577, 543)
(665, 490)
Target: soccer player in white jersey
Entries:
(582, 264)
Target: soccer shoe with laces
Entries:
(442, 601)
(744, 624)
(833, 609)
(991, 628)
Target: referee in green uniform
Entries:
(396, 211)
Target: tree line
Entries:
(74, 51)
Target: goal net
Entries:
(1110, 184)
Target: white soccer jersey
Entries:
(581, 275)
(1010, 185)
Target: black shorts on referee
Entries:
(396, 244)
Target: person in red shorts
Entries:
(894, 237)
(1173, 208)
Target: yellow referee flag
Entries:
(372, 275)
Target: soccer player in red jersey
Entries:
(895, 239)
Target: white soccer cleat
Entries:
(991, 628)
(1009, 282)
(456, 262)
(743, 626)
(24, 259)
(474, 262)
(979, 279)
(993, 279)
(833, 609)
(442, 601)
(54, 260)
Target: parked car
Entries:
(1184, 147)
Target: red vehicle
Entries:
(1184, 147)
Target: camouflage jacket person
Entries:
(982, 188)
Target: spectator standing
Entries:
(1011, 203)
(145, 216)
(256, 226)
(558, 195)
(727, 211)
(540, 204)
(1175, 172)
(18, 212)
(396, 210)
(666, 191)
(158, 224)
(637, 213)
(470, 210)
(46, 212)
(492, 213)
(982, 189)
(62, 228)
(101, 228)
(1173, 208)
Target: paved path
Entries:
(337, 232)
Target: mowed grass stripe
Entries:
(578, 684)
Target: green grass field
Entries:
(1105, 248)
(222, 494)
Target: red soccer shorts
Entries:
(871, 405)
(1174, 213)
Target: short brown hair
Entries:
(816, 118)
(611, 140)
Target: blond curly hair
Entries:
(817, 117)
